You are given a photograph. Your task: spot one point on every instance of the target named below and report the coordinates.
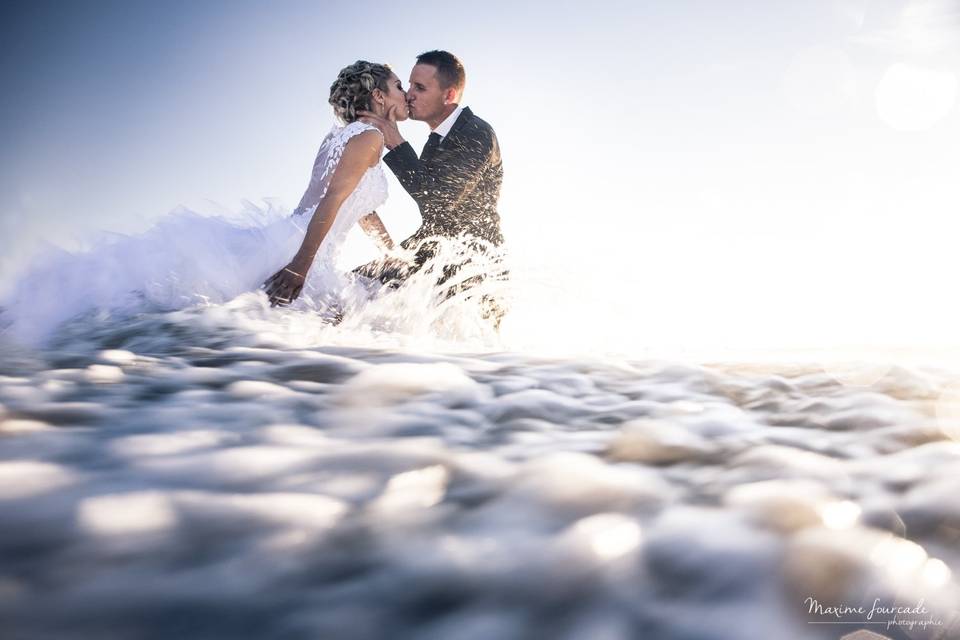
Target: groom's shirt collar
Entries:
(444, 127)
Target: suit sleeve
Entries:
(405, 164)
(439, 184)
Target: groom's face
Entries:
(424, 96)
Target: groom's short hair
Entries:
(450, 71)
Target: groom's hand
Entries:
(387, 126)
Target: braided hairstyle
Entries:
(352, 91)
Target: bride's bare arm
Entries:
(361, 153)
(373, 226)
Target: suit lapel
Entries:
(460, 123)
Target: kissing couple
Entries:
(455, 180)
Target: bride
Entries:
(188, 258)
(348, 182)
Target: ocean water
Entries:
(399, 469)
(232, 471)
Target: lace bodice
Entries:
(370, 193)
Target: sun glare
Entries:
(911, 98)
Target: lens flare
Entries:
(914, 99)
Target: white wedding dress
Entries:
(188, 259)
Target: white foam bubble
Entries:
(32, 478)
(104, 374)
(395, 382)
(141, 512)
(164, 444)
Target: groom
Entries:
(456, 179)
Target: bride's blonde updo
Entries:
(352, 90)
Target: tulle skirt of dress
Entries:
(185, 260)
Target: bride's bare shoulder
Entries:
(367, 143)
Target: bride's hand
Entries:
(284, 286)
(387, 124)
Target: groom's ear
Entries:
(450, 95)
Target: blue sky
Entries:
(774, 159)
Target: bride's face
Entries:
(395, 97)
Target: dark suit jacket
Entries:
(456, 187)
